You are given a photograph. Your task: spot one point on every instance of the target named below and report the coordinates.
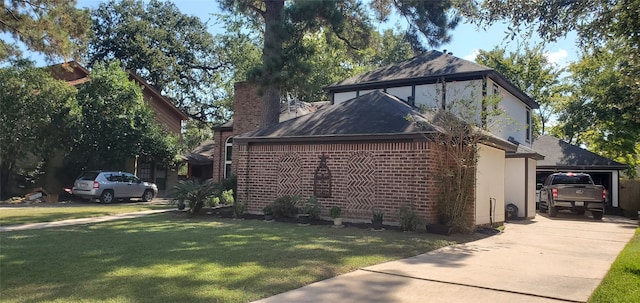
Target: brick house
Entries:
(166, 114)
(376, 158)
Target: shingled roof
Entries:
(375, 113)
(373, 116)
(564, 156)
(430, 67)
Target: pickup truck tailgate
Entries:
(579, 193)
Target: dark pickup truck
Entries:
(573, 191)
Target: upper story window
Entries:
(528, 129)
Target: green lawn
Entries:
(164, 258)
(622, 282)
(23, 215)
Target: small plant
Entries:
(285, 206)
(238, 208)
(376, 219)
(377, 216)
(335, 212)
(409, 220)
(310, 207)
(268, 209)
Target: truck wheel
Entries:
(543, 208)
(553, 211)
(597, 215)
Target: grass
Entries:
(24, 215)
(622, 282)
(164, 258)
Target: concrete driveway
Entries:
(546, 259)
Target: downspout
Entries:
(526, 187)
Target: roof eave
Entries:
(422, 136)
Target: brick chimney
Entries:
(247, 108)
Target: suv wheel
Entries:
(106, 197)
(147, 196)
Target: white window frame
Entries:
(529, 126)
(227, 158)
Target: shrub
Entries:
(230, 183)
(377, 216)
(227, 197)
(409, 220)
(268, 209)
(335, 212)
(285, 206)
(238, 207)
(193, 194)
(310, 207)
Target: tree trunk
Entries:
(272, 62)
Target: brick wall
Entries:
(365, 176)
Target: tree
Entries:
(329, 61)
(601, 112)
(117, 123)
(170, 50)
(285, 25)
(532, 73)
(35, 114)
(597, 22)
(53, 27)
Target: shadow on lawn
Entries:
(171, 258)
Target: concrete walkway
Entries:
(542, 260)
(82, 220)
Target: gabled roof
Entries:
(372, 114)
(564, 156)
(202, 154)
(430, 67)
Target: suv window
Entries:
(114, 178)
(90, 175)
(130, 178)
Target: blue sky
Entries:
(467, 39)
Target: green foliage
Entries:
(286, 206)
(335, 212)
(172, 51)
(54, 27)
(36, 114)
(196, 132)
(193, 194)
(622, 282)
(377, 216)
(117, 123)
(602, 113)
(310, 207)
(268, 209)
(285, 56)
(409, 220)
(238, 207)
(230, 184)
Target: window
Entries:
(227, 157)
(145, 171)
(528, 129)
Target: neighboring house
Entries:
(166, 115)
(362, 154)
(200, 161)
(561, 156)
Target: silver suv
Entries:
(110, 185)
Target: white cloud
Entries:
(558, 57)
(472, 56)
